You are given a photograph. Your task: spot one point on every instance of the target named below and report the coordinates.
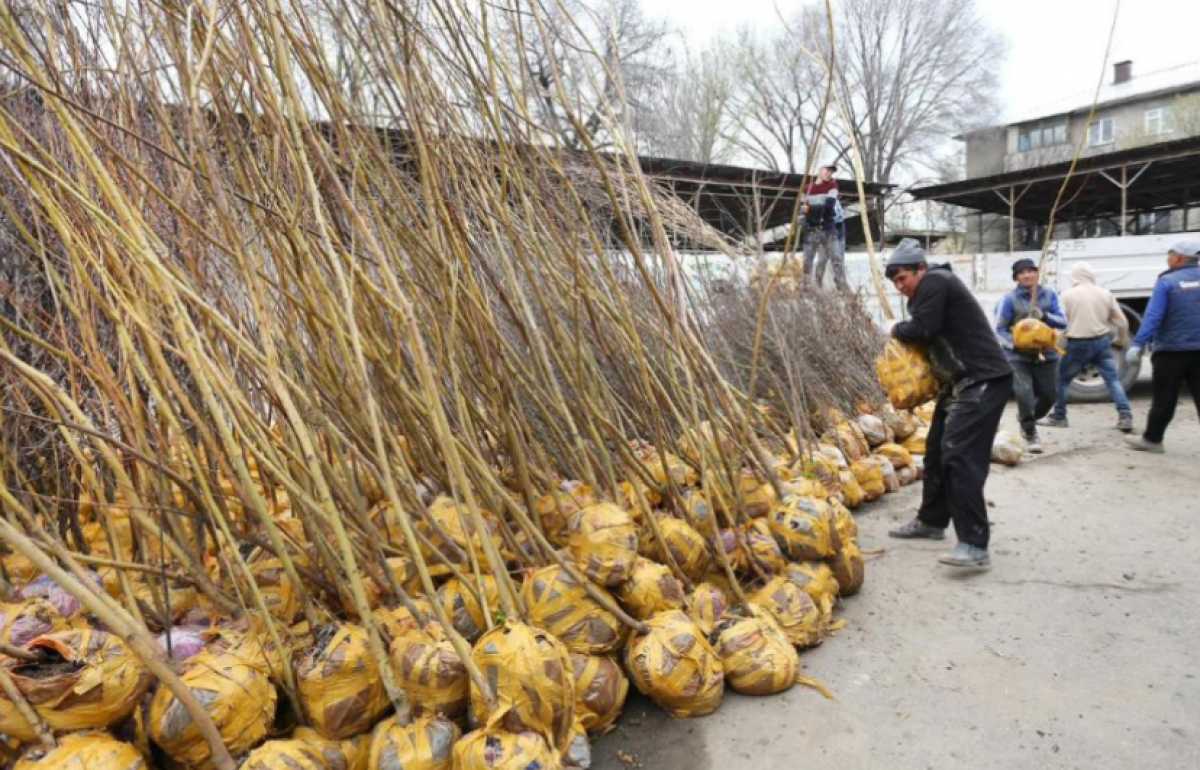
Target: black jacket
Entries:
(948, 319)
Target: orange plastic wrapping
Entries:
(101, 685)
(674, 665)
(463, 608)
(554, 511)
(801, 620)
(818, 581)
(493, 749)
(804, 528)
(425, 744)
(397, 621)
(561, 606)
(339, 684)
(906, 375)
(603, 541)
(848, 568)
(1034, 336)
(650, 589)
(757, 656)
(600, 691)
(707, 604)
(686, 545)
(24, 621)
(529, 672)
(297, 754)
(430, 671)
(869, 474)
(450, 529)
(237, 696)
(84, 751)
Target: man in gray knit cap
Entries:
(977, 382)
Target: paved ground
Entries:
(1079, 649)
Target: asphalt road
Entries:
(1078, 649)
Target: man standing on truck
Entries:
(821, 230)
(977, 381)
(1035, 372)
(1093, 317)
(1171, 327)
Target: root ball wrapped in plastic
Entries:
(650, 589)
(891, 482)
(898, 455)
(869, 474)
(495, 749)
(874, 429)
(900, 421)
(915, 443)
(238, 697)
(844, 525)
(425, 744)
(578, 753)
(280, 596)
(906, 374)
(451, 530)
(554, 511)
(603, 541)
(804, 528)
(560, 605)
(673, 664)
(799, 617)
(89, 679)
(297, 754)
(698, 511)
(529, 671)
(430, 671)
(1034, 336)
(849, 439)
(339, 684)
(848, 568)
(600, 691)
(664, 466)
(757, 657)
(818, 581)
(22, 622)
(822, 469)
(84, 751)
(462, 605)
(761, 553)
(852, 492)
(687, 546)
(1008, 449)
(397, 621)
(707, 605)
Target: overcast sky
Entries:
(1055, 50)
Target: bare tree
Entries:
(691, 116)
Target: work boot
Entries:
(1053, 422)
(917, 529)
(967, 555)
(1125, 423)
(1032, 443)
(1140, 444)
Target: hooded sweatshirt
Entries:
(1092, 310)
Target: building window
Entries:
(1100, 132)
(1045, 135)
(1158, 121)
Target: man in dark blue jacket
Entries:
(1171, 327)
(1035, 372)
(977, 381)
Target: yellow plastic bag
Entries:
(281, 597)
(686, 545)
(906, 375)
(397, 621)
(869, 474)
(604, 541)
(901, 422)
(430, 671)
(561, 606)
(698, 511)
(852, 492)
(578, 753)
(764, 550)
(844, 525)
(848, 438)
(296, 754)
(426, 744)
(800, 618)
(817, 580)
(650, 589)
(84, 751)
(99, 686)
(680, 473)
(237, 696)
(1034, 336)
(463, 608)
(707, 605)
(493, 749)
(848, 568)
(898, 455)
(674, 665)
(600, 690)
(757, 495)
(24, 621)
(339, 684)
(555, 510)
(915, 444)
(757, 657)
(530, 673)
(804, 528)
(450, 529)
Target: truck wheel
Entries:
(1088, 387)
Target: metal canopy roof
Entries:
(1166, 174)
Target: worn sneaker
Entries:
(1053, 422)
(1033, 444)
(916, 529)
(1140, 444)
(966, 555)
(1125, 423)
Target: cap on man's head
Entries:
(831, 166)
(1021, 265)
(1189, 248)
(908, 253)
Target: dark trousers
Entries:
(1171, 369)
(958, 455)
(1035, 384)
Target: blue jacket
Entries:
(1016, 306)
(1172, 319)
